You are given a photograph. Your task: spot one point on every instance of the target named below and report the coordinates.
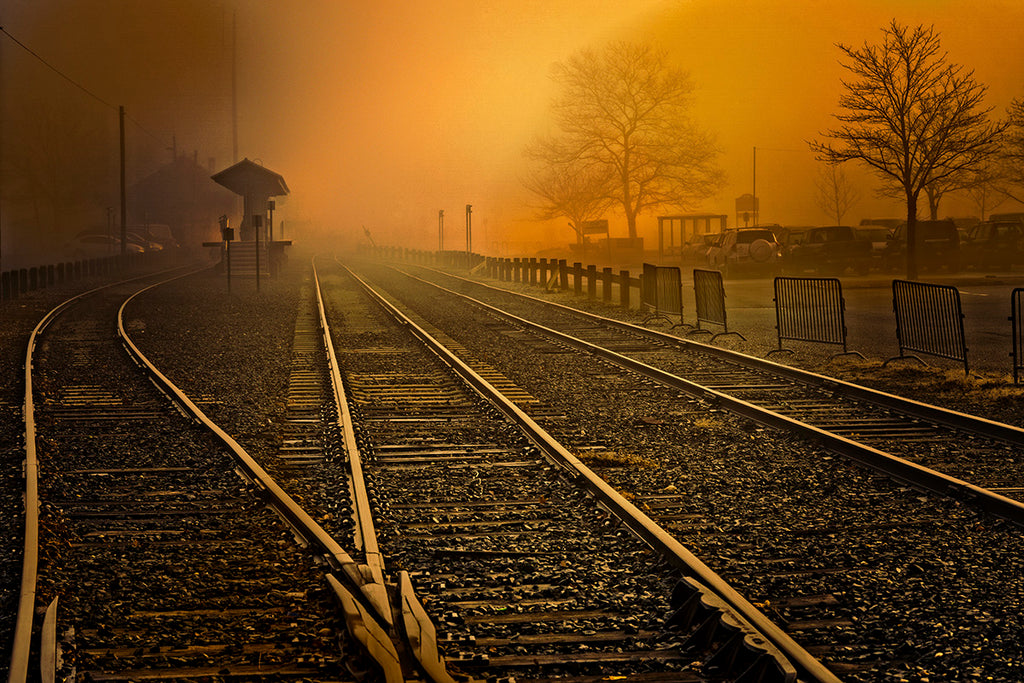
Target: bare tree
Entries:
(835, 195)
(567, 187)
(911, 116)
(58, 170)
(626, 111)
(988, 188)
(1013, 150)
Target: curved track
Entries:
(850, 563)
(520, 562)
(946, 452)
(157, 560)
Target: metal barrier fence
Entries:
(709, 296)
(662, 290)
(930, 320)
(1017, 318)
(811, 309)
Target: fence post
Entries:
(591, 282)
(563, 275)
(606, 285)
(624, 286)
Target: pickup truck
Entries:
(831, 249)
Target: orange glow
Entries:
(382, 113)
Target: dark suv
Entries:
(937, 242)
(994, 244)
(832, 248)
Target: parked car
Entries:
(695, 251)
(749, 250)
(156, 233)
(878, 237)
(938, 246)
(994, 244)
(829, 249)
(889, 224)
(88, 244)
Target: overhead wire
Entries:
(75, 83)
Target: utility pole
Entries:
(754, 189)
(469, 232)
(440, 230)
(124, 199)
(234, 87)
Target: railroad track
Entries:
(857, 565)
(943, 451)
(156, 559)
(513, 546)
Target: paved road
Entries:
(870, 320)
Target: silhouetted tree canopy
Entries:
(911, 116)
(624, 131)
(834, 193)
(1013, 150)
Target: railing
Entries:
(709, 296)
(929, 320)
(810, 309)
(18, 282)
(661, 292)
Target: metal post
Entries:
(469, 232)
(124, 200)
(440, 230)
(256, 218)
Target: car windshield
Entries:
(873, 234)
(748, 236)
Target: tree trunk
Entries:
(911, 236)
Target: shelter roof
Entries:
(248, 177)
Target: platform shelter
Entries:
(256, 185)
(699, 224)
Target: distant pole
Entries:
(469, 232)
(754, 190)
(258, 226)
(234, 87)
(124, 199)
(440, 230)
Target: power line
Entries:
(75, 83)
(57, 71)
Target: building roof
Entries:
(248, 177)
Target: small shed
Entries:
(256, 185)
(701, 223)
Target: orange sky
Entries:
(380, 113)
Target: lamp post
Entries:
(270, 224)
(469, 232)
(440, 230)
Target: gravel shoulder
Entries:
(984, 392)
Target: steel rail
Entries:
(416, 628)
(904, 470)
(926, 411)
(304, 526)
(20, 659)
(809, 668)
(366, 536)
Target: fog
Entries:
(380, 114)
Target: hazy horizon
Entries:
(381, 114)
